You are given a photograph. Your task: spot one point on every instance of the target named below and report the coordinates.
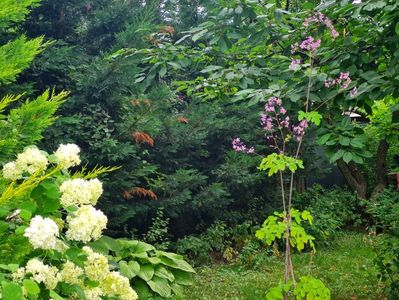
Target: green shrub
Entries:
(334, 210)
(158, 232)
(387, 261)
(385, 211)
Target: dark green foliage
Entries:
(385, 211)
(157, 234)
(333, 210)
(387, 262)
(221, 243)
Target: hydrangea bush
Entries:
(59, 250)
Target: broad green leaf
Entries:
(176, 264)
(129, 270)
(31, 286)
(324, 138)
(11, 291)
(146, 272)
(337, 155)
(347, 157)
(162, 272)
(356, 143)
(183, 278)
(344, 141)
(160, 286)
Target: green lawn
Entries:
(346, 268)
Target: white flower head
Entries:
(114, 284)
(31, 160)
(11, 172)
(96, 189)
(68, 155)
(70, 273)
(96, 267)
(42, 233)
(43, 273)
(80, 192)
(93, 293)
(86, 224)
(18, 275)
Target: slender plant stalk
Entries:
(289, 269)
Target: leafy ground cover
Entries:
(346, 267)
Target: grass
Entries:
(346, 268)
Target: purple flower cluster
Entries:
(299, 130)
(353, 92)
(310, 44)
(343, 80)
(278, 118)
(272, 103)
(239, 146)
(295, 63)
(319, 18)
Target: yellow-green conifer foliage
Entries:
(23, 125)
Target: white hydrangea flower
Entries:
(18, 275)
(80, 192)
(43, 273)
(70, 273)
(86, 224)
(93, 293)
(11, 172)
(42, 233)
(114, 284)
(96, 267)
(31, 160)
(96, 189)
(68, 155)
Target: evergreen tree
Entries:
(24, 124)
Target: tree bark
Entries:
(381, 168)
(355, 177)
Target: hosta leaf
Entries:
(162, 272)
(183, 278)
(146, 272)
(160, 286)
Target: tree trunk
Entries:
(355, 177)
(381, 169)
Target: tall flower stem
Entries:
(289, 270)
